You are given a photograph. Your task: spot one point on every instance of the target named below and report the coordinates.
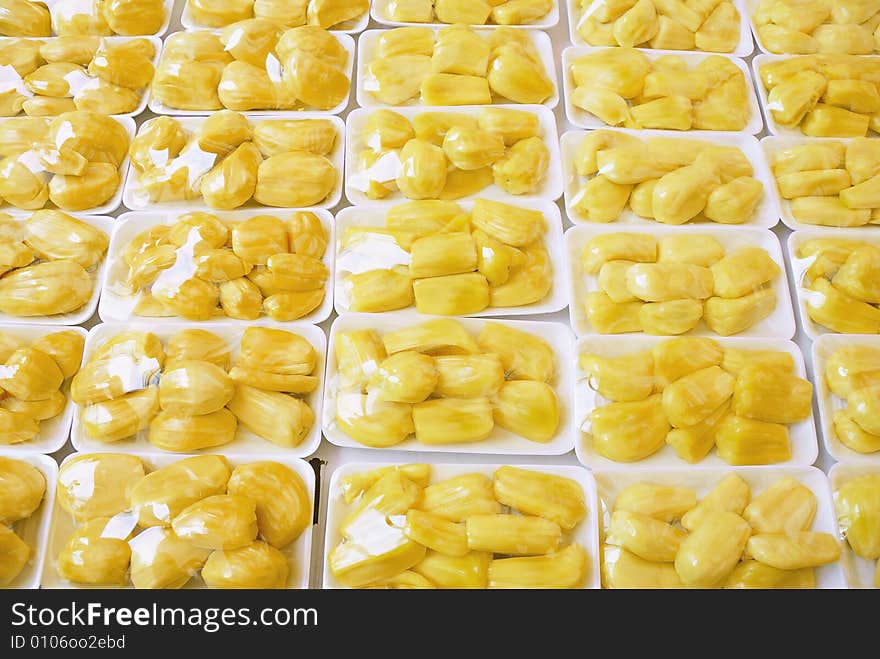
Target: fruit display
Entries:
(405, 526)
(35, 371)
(742, 529)
(194, 389)
(822, 95)
(73, 160)
(692, 395)
(454, 65)
(852, 377)
(708, 25)
(857, 500)
(444, 259)
(199, 266)
(82, 18)
(226, 161)
(326, 14)
(22, 488)
(203, 521)
(445, 385)
(666, 179)
(49, 264)
(451, 154)
(466, 12)
(253, 64)
(628, 88)
(666, 283)
(801, 27)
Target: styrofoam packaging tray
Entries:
(246, 443)
(114, 307)
(798, 266)
(136, 198)
(610, 482)
(586, 533)
(368, 41)
(379, 13)
(55, 431)
(35, 529)
(501, 441)
(823, 348)
(780, 324)
(766, 215)
(345, 41)
(104, 209)
(85, 312)
(743, 49)
(348, 27)
(374, 216)
(298, 552)
(583, 119)
(550, 190)
(804, 447)
(859, 572)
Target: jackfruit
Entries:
(629, 432)
(527, 408)
(731, 495)
(829, 306)
(742, 441)
(91, 557)
(220, 521)
(857, 514)
(159, 559)
(771, 395)
(516, 76)
(793, 551)
(276, 417)
(98, 485)
(452, 420)
(732, 316)
(396, 79)
(712, 550)
(122, 417)
(624, 378)
(786, 506)
(451, 295)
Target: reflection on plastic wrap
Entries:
(81, 18)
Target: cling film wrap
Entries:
(667, 403)
(634, 177)
(475, 526)
(722, 281)
(455, 65)
(500, 255)
(84, 18)
(208, 267)
(856, 490)
(150, 521)
(182, 388)
(541, 14)
(734, 528)
(254, 65)
(349, 16)
(412, 383)
(659, 89)
(228, 161)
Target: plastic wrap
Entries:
(663, 402)
(455, 65)
(178, 387)
(541, 14)
(441, 525)
(229, 161)
(722, 281)
(410, 243)
(414, 384)
(856, 498)
(154, 521)
(690, 528)
(154, 252)
(824, 95)
(349, 16)
(670, 90)
(631, 164)
(717, 27)
(78, 18)
(254, 66)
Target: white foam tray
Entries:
(35, 529)
(136, 198)
(766, 215)
(501, 441)
(374, 216)
(586, 533)
(550, 190)
(780, 324)
(583, 119)
(859, 572)
(348, 27)
(379, 13)
(120, 308)
(298, 552)
(611, 482)
(804, 447)
(368, 41)
(246, 443)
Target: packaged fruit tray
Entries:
(860, 572)
(123, 524)
(802, 434)
(610, 483)
(382, 13)
(190, 21)
(585, 533)
(48, 22)
(245, 442)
